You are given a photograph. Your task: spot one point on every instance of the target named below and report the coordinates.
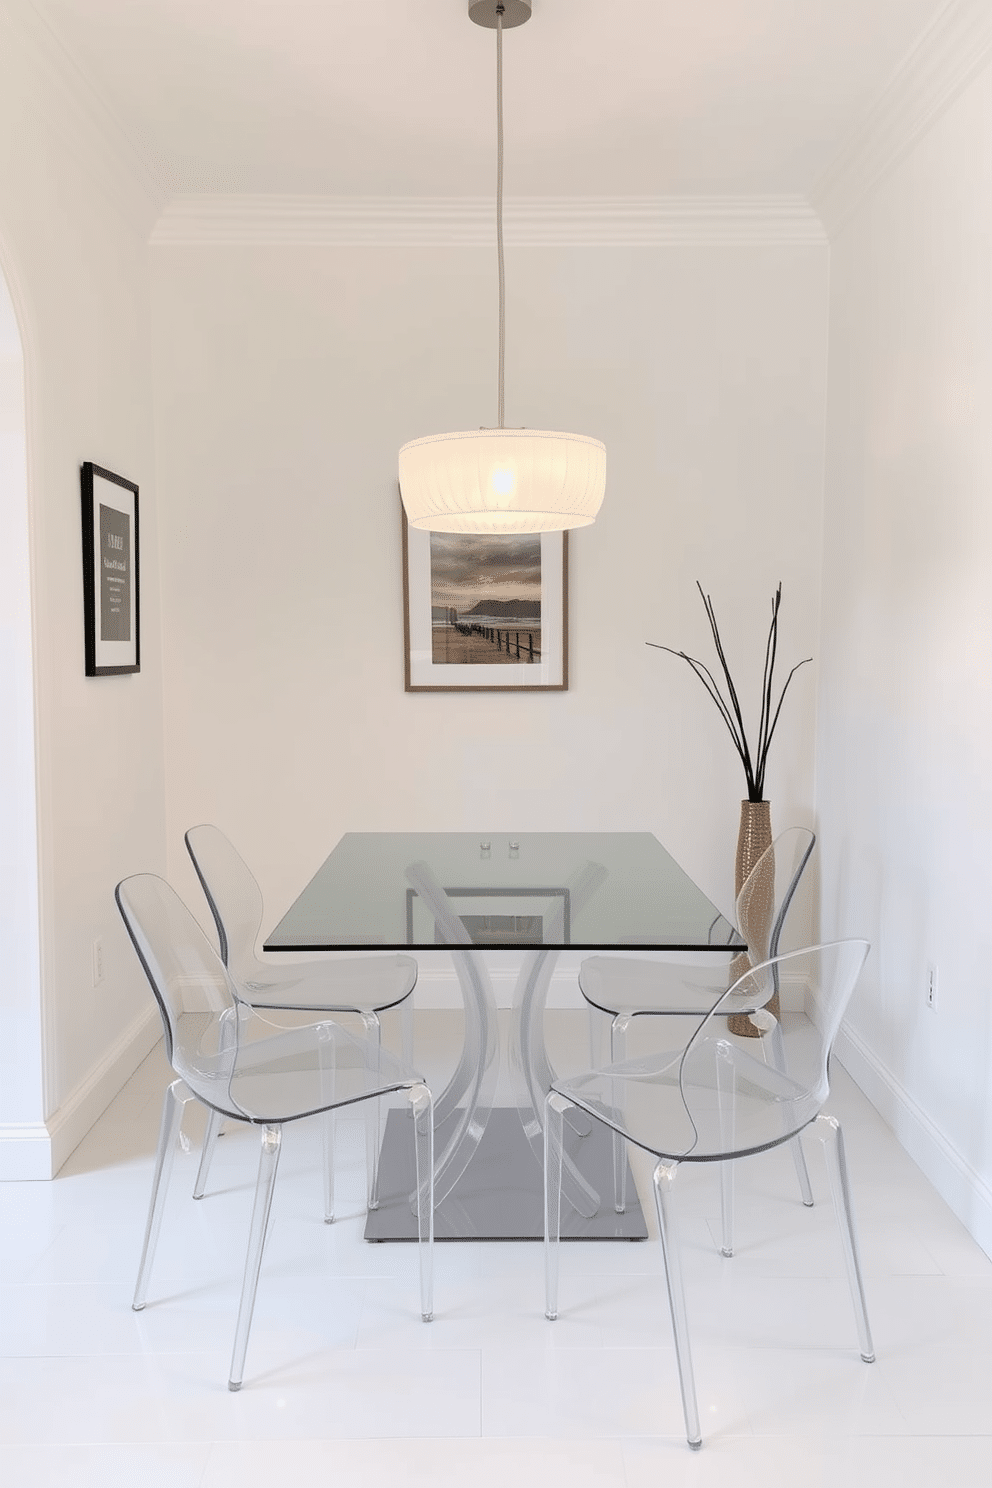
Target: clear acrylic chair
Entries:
(242, 1065)
(365, 986)
(623, 989)
(720, 1098)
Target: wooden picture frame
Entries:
(111, 600)
(485, 614)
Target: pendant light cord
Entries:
(499, 205)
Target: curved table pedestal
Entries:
(489, 1172)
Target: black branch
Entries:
(729, 707)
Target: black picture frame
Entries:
(508, 655)
(111, 592)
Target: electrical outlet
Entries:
(932, 988)
(97, 961)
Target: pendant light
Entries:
(502, 480)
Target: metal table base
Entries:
(500, 1195)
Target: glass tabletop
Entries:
(586, 890)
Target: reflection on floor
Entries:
(344, 1385)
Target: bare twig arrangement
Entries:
(730, 710)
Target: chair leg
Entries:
(798, 1156)
(327, 1131)
(599, 1027)
(422, 1111)
(373, 1117)
(618, 1052)
(228, 1038)
(555, 1110)
(828, 1129)
(664, 1177)
(802, 1172)
(267, 1167)
(173, 1106)
(406, 1032)
(214, 1123)
(727, 1178)
(726, 1090)
(326, 1055)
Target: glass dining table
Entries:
(539, 893)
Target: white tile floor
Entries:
(345, 1386)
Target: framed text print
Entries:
(485, 614)
(110, 572)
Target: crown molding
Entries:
(67, 100)
(949, 54)
(468, 222)
(953, 49)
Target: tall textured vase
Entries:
(753, 838)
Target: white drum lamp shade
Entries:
(502, 481)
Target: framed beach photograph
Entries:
(110, 572)
(485, 614)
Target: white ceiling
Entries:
(390, 97)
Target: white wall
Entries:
(906, 680)
(72, 240)
(286, 379)
(21, 1064)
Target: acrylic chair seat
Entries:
(365, 986)
(720, 1098)
(241, 1064)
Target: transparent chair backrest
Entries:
(233, 895)
(769, 889)
(191, 985)
(788, 1071)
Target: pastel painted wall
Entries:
(906, 670)
(285, 380)
(73, 235)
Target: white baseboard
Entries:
(963, 1189)
(38, 1150)
(25, 1151)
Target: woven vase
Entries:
(754, 838)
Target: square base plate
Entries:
(500, 1195)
